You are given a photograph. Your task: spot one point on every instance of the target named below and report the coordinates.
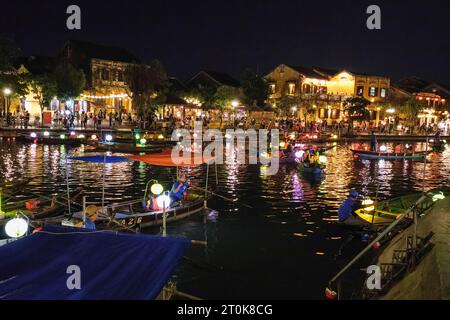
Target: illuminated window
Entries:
(360, 91)
(383, 92)
(306, 88)
(373, 91)
(291, 89)
(322, 113)
(272, 88)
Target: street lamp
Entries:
(7, 92)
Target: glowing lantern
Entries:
(143, 141)
(108, 137)
(81, 136)
(282, 144)
(323, 159)
(163, 201)
(335, 136)
(137, 136)
(16, 228)
(367, 202)
(299, 154)
(62, 136)
(157, 189)
(72, 133)
(94, 137)
(160, 137)
(33, 135)
(46, 133)
(383, 148)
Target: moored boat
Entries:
(366, 154)
(385, 212)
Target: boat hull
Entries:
(388, 155)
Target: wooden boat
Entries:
(47, 209)
(439, 146)
(385, 212)
(311, 169)
(133, 214)
(11, 188)
(365, 154)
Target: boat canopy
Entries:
(165, 159)
(111, 265)
(101, 159)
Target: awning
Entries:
(164, 159)
(101, 159)
(112, 265)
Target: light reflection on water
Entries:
(280, 248)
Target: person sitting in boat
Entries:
(179, 189)
(91, 216)
(152, 204)
(311, 157)
(347, 211)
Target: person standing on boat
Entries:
(347, 214)
(373, 142)
(179, 189)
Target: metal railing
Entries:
(413, 209)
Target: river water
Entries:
(275, 237)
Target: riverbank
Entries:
(431, 277)
(127, 134)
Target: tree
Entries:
(9, 52)
(410, 109)
(44, 88)
(70, 82)
(9, 78)
(255, 88)
(356, 108)
(223, 98)
(147, 85)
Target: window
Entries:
(360, 91)
(105, 74)
(272, 88)
(306, 88)
(323, 89)
(291, 89)
(120, 75)
(383, 92)
(373, 91)
(322, 113)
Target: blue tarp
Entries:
(113, 265)
(102, 159)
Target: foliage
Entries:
(70, 82)
(224, 96)
(148, 85)
(255, 88)
(356, 108)
(44, 88)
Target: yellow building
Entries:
(319, 93)
(104, 67)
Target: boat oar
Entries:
(225, 198)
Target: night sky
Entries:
(188, 36)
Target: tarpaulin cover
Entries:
(112, 265)
(101, 159)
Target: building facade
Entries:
(104, 67)
(319, 93)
